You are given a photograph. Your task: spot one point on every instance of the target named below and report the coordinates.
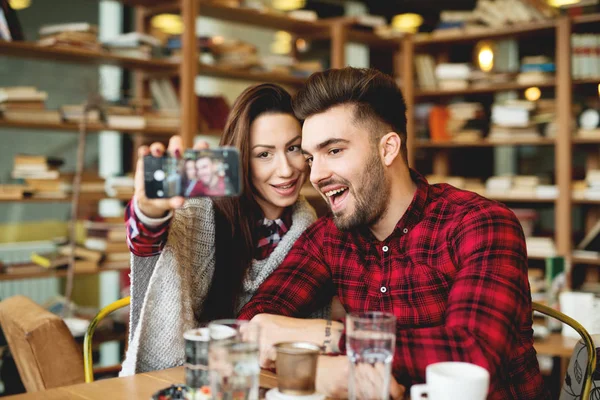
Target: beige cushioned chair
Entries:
(45, 352)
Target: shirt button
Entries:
(385, 248)
(383, 289)
(405, 230)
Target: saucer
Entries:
(274, 394)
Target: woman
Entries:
(205, 260)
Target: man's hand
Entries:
(276, 329)
(333, 374)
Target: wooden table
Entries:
(556, 345)
(140, 386)
(143, 386)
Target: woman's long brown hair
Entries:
(237, 217)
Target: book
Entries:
(81, 253)
(67, 27)
(37, 160)
(591, 241)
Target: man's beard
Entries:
(370, 195)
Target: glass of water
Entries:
(370, 343)
(233, 360)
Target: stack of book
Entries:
(86, 260)
(108, 236)
(232, 53)
(494, 14)
(460, 182)
(536, 70)
(26, 104)
(466, 122)
(13, 191)
(124, 117)
(519, 187)
(80, 35)
(452, 76)
(35, 166)
(41, 176)
(133, 44)
(511, 121)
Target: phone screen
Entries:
(200, 173)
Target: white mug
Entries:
(453, 380)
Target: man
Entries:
(210, 181)
(451, 265)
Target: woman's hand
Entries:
(333, 377)
(157, 208)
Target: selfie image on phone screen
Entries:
(200, 173)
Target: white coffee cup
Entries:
(453, 380)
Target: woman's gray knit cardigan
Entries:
(169, 289)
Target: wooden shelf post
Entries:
(563, 152)
(189, 70)
(403, 66)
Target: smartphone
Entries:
(199, 173)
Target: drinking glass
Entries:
(370, 343)
(233, 360)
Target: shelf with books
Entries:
(427, 144)
(240, 74)
(585, 260)
(247, 16)
(120, 266)
(73, 127)
(586, 19)
(584, 201)
(486, 33)
(586, 140)
(68, 54)
(587, 81)
(422, 94)
(372, 39)
(511, 199)
(84, 197)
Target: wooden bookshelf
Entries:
(586, 140)
(585, 260)
(486, 33)
(421, 94)
(247, 16)
(240, 74)
(587, 81)
(427, 144)
(582, 201)
(73, 127)
(74, 55)
(62, 273)
(511, 199)
(586, 19)
(84, 197)
(371, 39)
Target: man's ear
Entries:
(389, 147)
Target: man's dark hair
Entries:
(379, 102)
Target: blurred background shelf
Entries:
(487, 33)
(62, 273)
(91, 127)
(75, 55)
(427, 144)
(419, 94)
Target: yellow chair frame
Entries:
(587, 340)
(88, 367)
